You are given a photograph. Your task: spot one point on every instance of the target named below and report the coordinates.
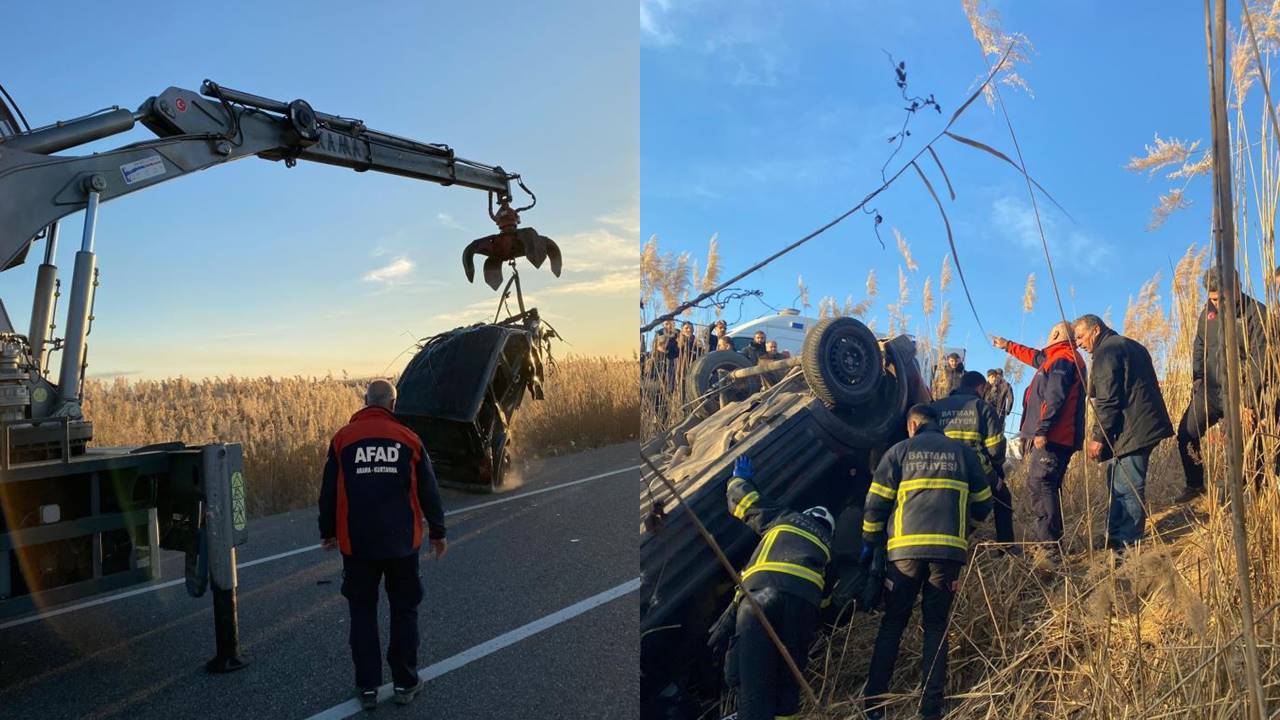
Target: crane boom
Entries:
(196, 132)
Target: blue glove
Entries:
(864, 559)
(742, 467)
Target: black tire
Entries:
(879, 421)
(704, 373)
(500, 459)
(842, 362)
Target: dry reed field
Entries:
(285, 423)
(1160, 635)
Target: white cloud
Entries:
(1015, 219)
(394, 272)
(654, 22)
(447, 220)
(626, 282)
(626, 220)
(599, 251)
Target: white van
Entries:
(789, 327)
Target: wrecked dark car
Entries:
(813, 438)
(459, 393)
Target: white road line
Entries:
(507, 639)
(289, 553)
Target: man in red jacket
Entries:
(1052, 422)
(377, 486)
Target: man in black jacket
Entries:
(921, 494)
(999, 394)
(1209, 377)
(756, 350)
(1131, 419)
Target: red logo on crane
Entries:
(182, 105)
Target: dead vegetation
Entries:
(285, 423)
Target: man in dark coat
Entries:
(948, 376)
(756, 350)
(999, 394)
(1131, 421)
(1209, 377)
(1052, 424)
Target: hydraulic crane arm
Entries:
(194, 132)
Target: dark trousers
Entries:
(1198, 418)
(1003, 510)
(1045, 470)
(766, 688)
(907, 579)
(360, 579)
(1127, 483)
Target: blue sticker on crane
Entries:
(797, 325)
(143, 169)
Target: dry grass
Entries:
(1156, 637)
(285, 424)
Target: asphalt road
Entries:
(510, 565)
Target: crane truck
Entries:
(78, 520)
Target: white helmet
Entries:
(821, 513)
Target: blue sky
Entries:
(761, 121)
(257, 269)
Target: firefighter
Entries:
(378, 484)
(921, 494)
(1052, 424)
(787, 577)
(965, 416)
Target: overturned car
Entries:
(813, 435)
(459, 393)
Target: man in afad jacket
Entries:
(1209, 377)
(377, 486)
(922, 496)
(1052, 423)
(1131, 419)
(787, 577)
(965, 416)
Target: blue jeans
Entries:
(1127, 483)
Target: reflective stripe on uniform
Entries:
(872, 527)
(745, 504)
(982, 495)
(799, 571)
(994, 440)
(964, 435)
(917, 484)
(933, 484)
(802, 533)
(884, 491)
(922, 539)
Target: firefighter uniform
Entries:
(922, 496)
(787, 577)
(965, 416)
(378, 484)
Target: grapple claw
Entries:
(508, 244)
(493, 272)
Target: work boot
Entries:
(405, 695)
(1188, 495)
(369, 699)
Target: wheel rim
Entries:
(848, 362)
